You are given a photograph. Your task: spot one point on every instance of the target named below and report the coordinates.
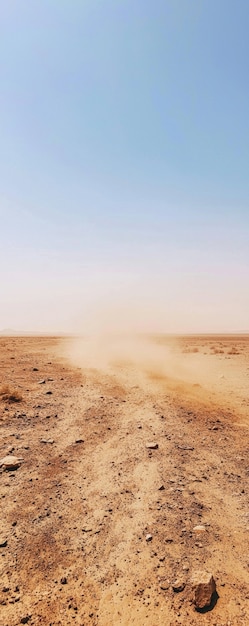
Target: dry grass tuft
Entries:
(10, 395)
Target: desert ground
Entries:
(124, 447)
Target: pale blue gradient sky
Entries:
(124, 187)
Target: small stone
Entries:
(3, 543)
(35, 369)
(148, 537)
(25, 620)
(10, 463)
(47, 441)
(41, 382)
(199, 529)
(64, 580)
(152, 446)
(48, 393)
(79, 440)
(178, 585)
(203, 587)
(161, 488)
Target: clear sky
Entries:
(124, 186)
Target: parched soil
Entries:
(76, 515)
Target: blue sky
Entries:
(124, 188)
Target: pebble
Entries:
(47, 441)
(10, 463)
(178, 585)
(199, 529)
(64, 580)
(152, 446)
(148, 537)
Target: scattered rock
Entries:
(48, 393)
(164, 584)
(203, 587)
(79, 440)
(199, 529)
(3, 543)
(161, 488)
(47, 441)
(152, 446)
(41, 382)
(64, 580)
(25, 620)
(10, 463)
(35, 369)
(148, 537)
(178, 585)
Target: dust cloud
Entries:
(202, 369)
(155, 356)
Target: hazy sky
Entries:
(124, 186)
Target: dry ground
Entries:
(75, 515)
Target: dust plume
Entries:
(157, 357)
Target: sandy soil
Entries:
(75, 515)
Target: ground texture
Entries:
(96, 526)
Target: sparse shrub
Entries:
(10, 395)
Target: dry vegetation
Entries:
(8, 394)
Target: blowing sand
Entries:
(76, 513)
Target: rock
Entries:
(148, 537)
(161, 488)
(25, 620)
(3, 543)
(64, 580)
(203, 586)
(10, 463)
(79, 440)
(35, 369)
(152, 446)
(48, 393)
(47, 441)
(164, 585)
(199, 529)
(178, 585)
(41, 382)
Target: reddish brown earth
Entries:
(76, 513)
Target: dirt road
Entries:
(95, 525)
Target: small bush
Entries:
(10, 395)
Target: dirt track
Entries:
(76, 513)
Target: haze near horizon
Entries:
(124, 166)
